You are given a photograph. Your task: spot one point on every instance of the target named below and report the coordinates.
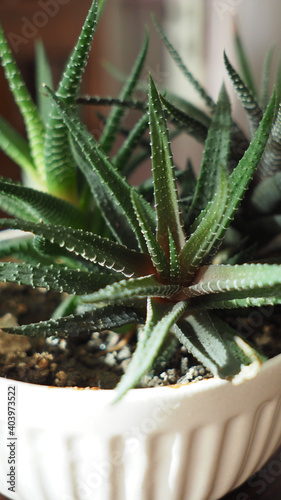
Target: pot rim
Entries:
(75, 411)
(200, 386)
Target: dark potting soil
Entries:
(101, 360)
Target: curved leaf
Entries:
(112, 125)
(90, 246)
(244, 64)
(157, 255)
(97, 100)
(178, 60)
(97, 319)
(188, 108)
(208, 228)
(147, 286)
(33, 124)
(12, 242)
(96, 160)
(214, 343)
(270, 163)
(238, 285)
(243, 173)
(60, 166)
(215, 155)
(122, 157)
(265, 78)
(193, 127)
(111, 214)
(165, 190)
(175, 268)
(16, 147)
(245, 95)
(35, 205)
(156, 329)
(63, 279)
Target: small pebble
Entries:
(184, 365)
(60, 378)
(110, 359)
(43, 364)
(195, 373)
(124, 353)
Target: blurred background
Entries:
(200, 30)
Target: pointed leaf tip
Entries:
(165, 189)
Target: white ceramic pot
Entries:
(195, 442)
(15, 234)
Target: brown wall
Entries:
(58, 26)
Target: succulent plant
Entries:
(257, 222)
(259, 217)
(46, 158)
(156, 266)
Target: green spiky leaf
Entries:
(245, 95)
(264, 92)
(178, 60)
(245, 64)
(158, 323)
(157, 255)
(243, 173)
(239, 285)
(90, 246)
(34, 205)
(96, 160)
(110, 210)
(97, 319)
(15, 146)
(122, 157)
(200, 334)
(112, 125)
(63, 279)
(192, 126)
(175, 267)
(147, 286)
(60, 166)
(206, 235)
(166, 197)
(33, 123)
(215, 155)
(270, 163)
